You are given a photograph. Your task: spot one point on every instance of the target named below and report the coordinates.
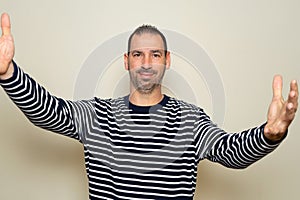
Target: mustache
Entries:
(146, 70)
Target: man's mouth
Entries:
(146, 74)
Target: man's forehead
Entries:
(147, 41)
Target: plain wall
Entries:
(249, 42)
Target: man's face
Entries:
(146, 62)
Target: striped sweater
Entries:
(134, 152)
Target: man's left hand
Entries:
(281, 113)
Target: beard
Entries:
(146, 85)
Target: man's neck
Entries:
(141, 99)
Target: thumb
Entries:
(5, 24)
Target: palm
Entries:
(6, 44)
(274, 110)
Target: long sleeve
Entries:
(40, 107)
(233, 150)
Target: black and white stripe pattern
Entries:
(134, 152)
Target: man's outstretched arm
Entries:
(241, 149)
(41, 108)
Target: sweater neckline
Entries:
(146, 109)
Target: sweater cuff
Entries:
(268, 141)
(3, 82)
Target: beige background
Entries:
(249, 41)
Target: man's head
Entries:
(147, 59)
(147, 29)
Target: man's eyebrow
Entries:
(157, 51)
(139, 51)
(135, 51)
(152, 51)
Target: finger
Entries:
(277, 87)
(294, 87)
(5, 24)
(293, 96)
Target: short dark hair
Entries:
(146, 28)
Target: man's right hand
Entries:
(7, 48)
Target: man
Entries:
(145, 145)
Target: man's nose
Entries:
(147, 61)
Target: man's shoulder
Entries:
(173, 101)
(118, 102)
(108, 100)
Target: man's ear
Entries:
(126, 61)
(168, 60)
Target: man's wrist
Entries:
(270, 139)
(9, 73)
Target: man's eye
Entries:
(136, 54)
(156, 55)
